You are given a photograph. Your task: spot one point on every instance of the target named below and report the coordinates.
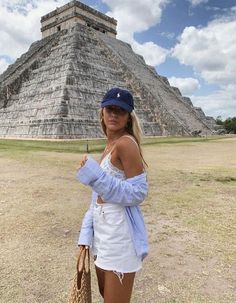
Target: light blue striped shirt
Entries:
(129, 193)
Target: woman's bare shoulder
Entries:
(129, 155)
(128, 144)
(128, 149)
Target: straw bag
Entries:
(81, 291)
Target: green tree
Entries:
(230, 125)
(219, 120)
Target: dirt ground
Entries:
(190, 217)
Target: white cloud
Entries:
(3, 65)
(168, 35)
(220, 103)
(152, 53)
(135, 16)
(20, 24)
(211, 51)
(186, 85)
(197, 2)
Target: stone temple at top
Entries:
(74, 12)
(54, 89)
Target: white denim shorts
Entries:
(113, 245)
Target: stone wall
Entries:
(66, 16)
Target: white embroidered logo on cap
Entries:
(118, 95)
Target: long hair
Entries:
(133, 128)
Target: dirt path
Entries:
(189, 216)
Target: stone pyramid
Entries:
(54, 90)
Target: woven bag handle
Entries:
(83, 264)
(87, 260)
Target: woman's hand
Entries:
(99, 200)
(81, 247)
(83, 161)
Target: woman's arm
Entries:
(129, 192)
(127, 157)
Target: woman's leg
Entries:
(112, 289)
(116, 291)
(101, 279)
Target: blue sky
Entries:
(192, 42)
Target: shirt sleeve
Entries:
(129, 192)
(86, 231)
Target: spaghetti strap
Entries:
(132, 138)
(129, 136)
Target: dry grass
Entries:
(190, 215)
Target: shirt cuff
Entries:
(90, 172)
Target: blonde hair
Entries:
(133, 128)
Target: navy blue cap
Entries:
(119, 97)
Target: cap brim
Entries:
(117, 103)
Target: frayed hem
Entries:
(120, 275)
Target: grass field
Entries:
(190, 216)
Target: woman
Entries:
(113, 226)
